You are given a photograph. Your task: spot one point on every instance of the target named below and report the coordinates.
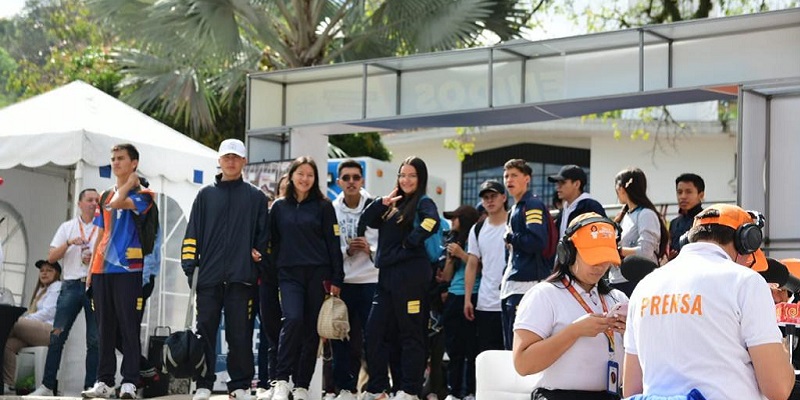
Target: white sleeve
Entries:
(61, 235)
(758, 323)
(46, 309)
(629, 339)
(535, 312)
(472, 243)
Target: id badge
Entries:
(613, 377)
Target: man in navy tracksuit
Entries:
(528, 239)
(225, 238)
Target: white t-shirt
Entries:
(73, 267)
(490, 248)
(549, 308)
(691, 321)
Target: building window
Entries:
(544, 161)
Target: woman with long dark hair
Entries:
(399, 316)
(573, 321)
(644, 231)
(460, 334)
(304, 238)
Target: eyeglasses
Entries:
(410, 176)
(347, 178)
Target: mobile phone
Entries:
(618, 309)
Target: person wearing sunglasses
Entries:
(360, 275)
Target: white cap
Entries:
(232, 146)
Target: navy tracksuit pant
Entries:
(401, 303)
(237, 300)
(117, 301)
(302, 294)
(270, 315)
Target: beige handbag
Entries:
(332, 322)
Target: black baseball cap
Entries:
(492, 185)
(571, 172)
(468, 211)
(53, 264)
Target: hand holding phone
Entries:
(619, 309)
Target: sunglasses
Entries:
(347, 178)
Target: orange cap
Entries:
(596, 242)
(759, 261)
(793, 265)
(729, 215)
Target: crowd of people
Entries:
(555, 292)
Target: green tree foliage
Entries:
(53, 43)
(188, 58)
(367, 144)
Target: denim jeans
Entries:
(70, 301)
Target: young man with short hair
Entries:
(487, 247)
(528, 237)
(689, 189)
(225, 238)
(570, 184)
(706, 320)
(360, 275)
(73, 244)
(116, 278)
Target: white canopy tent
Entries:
(56, 144)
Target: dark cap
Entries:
(493, 186)
(571, 172)
(54, 264)
(468, 211)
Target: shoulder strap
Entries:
(478, 227)
(189, 311)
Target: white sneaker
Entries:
(240, 394)
(99, 390)
(127, 391)
(469, 397)
(264, 394)
(451, 397)
(345, 395)
(300, 394)
(202, 394)
(375, 396)
(329, 396)
(401, 395)
(281, 390)
(41, 391)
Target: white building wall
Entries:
(710, 156)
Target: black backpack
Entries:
(183, 354)
(146, 226)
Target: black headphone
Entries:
(749, 237)
(566, 251)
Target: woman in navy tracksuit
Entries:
(404, 218)
(304, 238)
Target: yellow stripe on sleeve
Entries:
(190, 241)
(535, 211)
(189, 249)
(428, 224)
(533, 220)
(336, 229)
(186, 256)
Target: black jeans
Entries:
(461, 344)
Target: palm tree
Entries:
(190, 57)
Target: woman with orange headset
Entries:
(573, 321)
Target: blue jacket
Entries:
(305, 234)
(228, 220)
(680, 225)
(528, 238)
(398, 242)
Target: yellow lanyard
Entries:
(80, 226)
